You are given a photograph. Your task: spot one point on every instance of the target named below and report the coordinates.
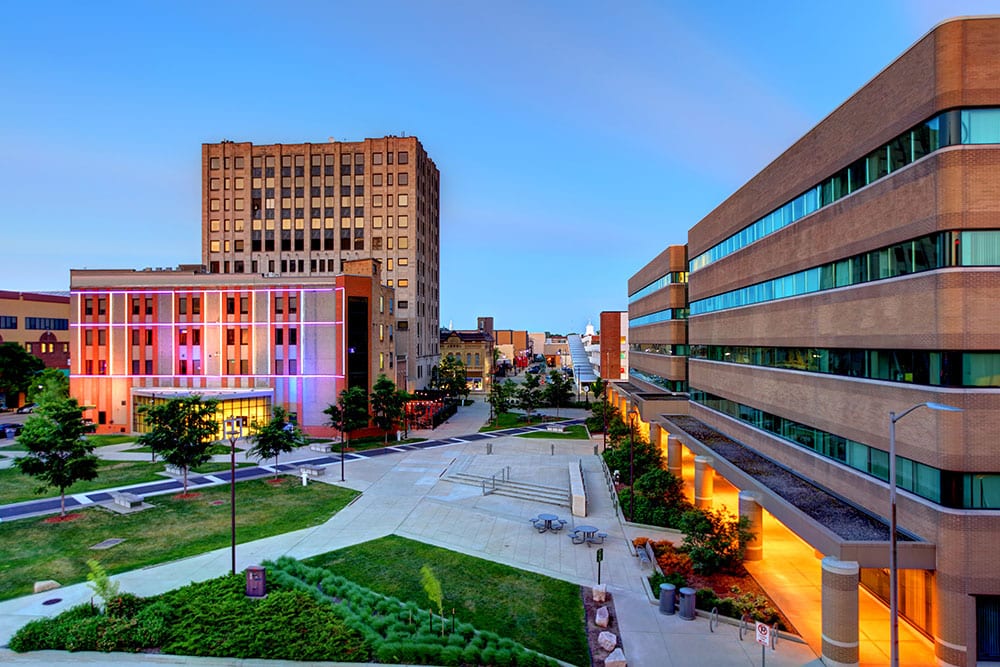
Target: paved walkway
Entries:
(406, 494)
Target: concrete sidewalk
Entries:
(408, 495)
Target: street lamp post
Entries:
(893, 568)
(234, 431)
(631, 467)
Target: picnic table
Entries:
(588, 534)
(544, 522)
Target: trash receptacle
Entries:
(668, 599)
(687, 604)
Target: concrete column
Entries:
(654, 435)
(840, 612)
(704, 482)
(751, 509)
(674, 457)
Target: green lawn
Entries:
(542, 613)
(217, 449)
(110, 439)
(16, 487)
(33, 550)
(510, 420)
(575, 432)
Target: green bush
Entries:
(714, 539)
(124, 605)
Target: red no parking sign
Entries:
(763, 634)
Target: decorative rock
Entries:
(47, 585)
(607, 640)
(603, 617)
(599, 592)
(616, 659)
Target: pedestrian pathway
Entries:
(406, 493)
(77, 501)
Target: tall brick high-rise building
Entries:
(294, 210)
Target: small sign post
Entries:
(600, 557)
(763, 638)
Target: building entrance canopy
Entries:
(826, 521)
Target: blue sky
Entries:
(563, 131)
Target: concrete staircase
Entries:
(551, 495)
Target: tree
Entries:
(452, 378)
(502, 396)
(350, 413)
(559, 391)
(599, 387)
(387, 404)
(18, 369)
(529, 394)
(276, 436)
(180, 430)
(50, 384)
(58, 453)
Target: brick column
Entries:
(675, 465)
(751, 509)
(840, 612)
(654, 435)
(704, 482)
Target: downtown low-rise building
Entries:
(254, 343)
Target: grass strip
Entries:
(542, 613)
(575, 432)
(33, 550)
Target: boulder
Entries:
(603, 617)
(607, 640)
(47, 585)
(599, 592)
(616, 659)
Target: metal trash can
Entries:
(687, 604)
(668, 599)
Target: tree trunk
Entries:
(185, 480)
(62, 502)
(276, 466)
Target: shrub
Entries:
(124, 605)
(34, 635)
(714, 539)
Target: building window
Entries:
(403, 178)
(402, 200)
(404, 157)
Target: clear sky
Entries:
(563, 130)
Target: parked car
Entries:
(11, 427)
(30, 407)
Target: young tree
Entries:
(18, 369)
(599, 387)
(350, 413)
(276, 436)
(451, 376)
(181, 429)
(502, 396)
(529, 394)
(387, 404)
(559, 391)
(58, 453)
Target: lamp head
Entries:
(944, 408)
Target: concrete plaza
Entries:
(407, 494)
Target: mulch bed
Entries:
(187, 496)
(62, 519)
(276, 481)
(597, 654)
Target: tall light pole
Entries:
(893, 569)
(234, 431)
(631, 467)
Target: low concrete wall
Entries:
(577, 490)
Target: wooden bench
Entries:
(312, 471)
(126, 499)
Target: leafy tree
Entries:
(58, 453)
(642, 455)
(50, 384)
(559, 390)
(276, 436)
(529, 394)
(350, 412)
(452, 376)
(387, 404)
(714, 539)
(599, 387)
(18, 369)
(602, 414)
(502, 396)
(181, 429)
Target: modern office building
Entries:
(854, 278)
(39, 321)
(251, 342)
(302, 210)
